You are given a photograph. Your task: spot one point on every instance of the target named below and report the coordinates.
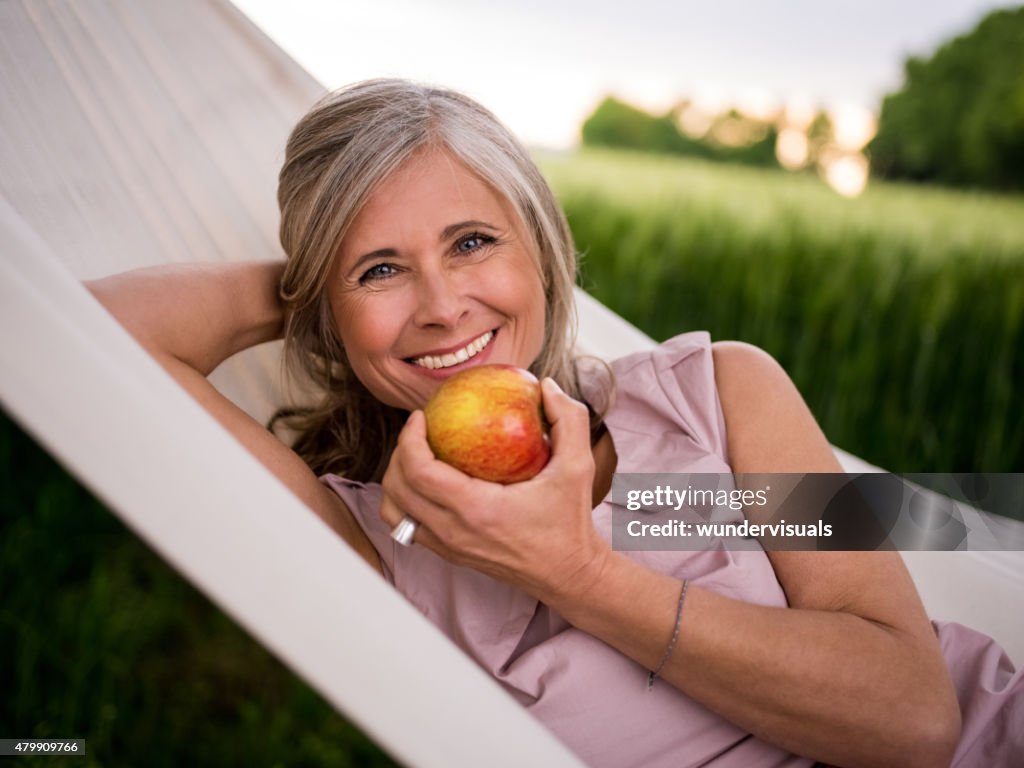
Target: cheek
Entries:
(533, 288)
(538, 314)
(367, 325)
(524, 297)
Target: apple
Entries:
(488, 422)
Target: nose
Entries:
(441, 303)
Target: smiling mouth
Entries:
(471, 350)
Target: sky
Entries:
(543, 65)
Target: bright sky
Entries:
(542, 65)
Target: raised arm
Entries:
(197, 314)
(192, 317)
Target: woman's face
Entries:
(434, 276)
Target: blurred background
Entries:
(840, 184)
(799, 85)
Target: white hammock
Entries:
(138, 133)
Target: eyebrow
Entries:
(448, 232)
(453, 229)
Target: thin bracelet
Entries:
(675, 636)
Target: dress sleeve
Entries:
(363, 501)
(485, 618)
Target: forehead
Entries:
(427, 193)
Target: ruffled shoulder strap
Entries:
(672, 389)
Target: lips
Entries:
(461, 355)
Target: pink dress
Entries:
(666, 418)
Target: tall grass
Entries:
(899, 315)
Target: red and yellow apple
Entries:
(488, 422)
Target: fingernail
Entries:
(550, 383)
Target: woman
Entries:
(422, 240)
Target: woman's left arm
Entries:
(851, 674)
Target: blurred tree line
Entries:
(959, 117)
(730, 137)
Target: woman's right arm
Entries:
(192, 317)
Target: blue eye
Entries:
(473, 242)
(378, 272)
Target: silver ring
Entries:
(404, 531)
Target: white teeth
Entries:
(447, 361)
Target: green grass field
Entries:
(899, 314)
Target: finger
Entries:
(398, 499)
(415, 429)
(426, 538)
(405, 491)
(406, 499)
(413, 456)
(390, 512)
(569, 419)
(426, 515)
(401, 497)
(429, 476)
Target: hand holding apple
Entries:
(488, 422)
(537, 535)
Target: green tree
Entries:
(617, 124)
(959, 117)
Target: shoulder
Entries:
(751, 383)
(770, 427)
(738, 363)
